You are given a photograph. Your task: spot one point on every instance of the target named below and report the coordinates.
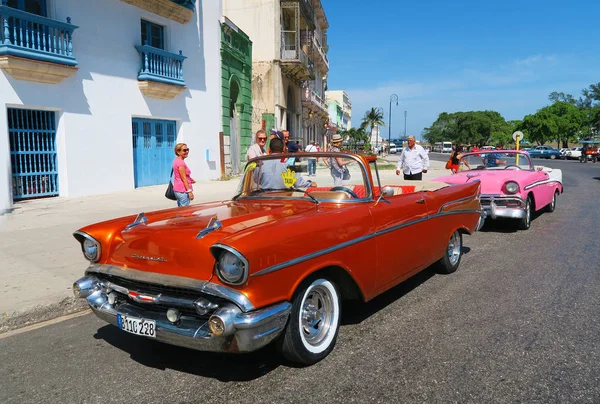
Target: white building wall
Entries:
(259, 19)
(95, 107)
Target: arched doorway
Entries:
(234, 125)
(290, 112)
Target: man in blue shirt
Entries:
(493, 159)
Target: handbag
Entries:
(169, 193)
(449, 164)
(345, 174)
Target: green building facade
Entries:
(236, 90)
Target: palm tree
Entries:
(372, 118)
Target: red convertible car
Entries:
(276, 262)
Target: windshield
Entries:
(312, 176)
(495, 160)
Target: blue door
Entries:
(32, 137)
(153, 143)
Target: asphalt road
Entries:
(518, 322)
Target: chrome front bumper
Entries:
(495, 207)
(245, 331)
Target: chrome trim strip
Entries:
(176, 281)
(453, 202)
(140, 219)
(237, 254)
(85, 235)
(357, 240)
(535, 184)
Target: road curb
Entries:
(41, 313)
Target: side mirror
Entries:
(386, 192)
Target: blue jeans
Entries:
(183, 199)
(312, 166)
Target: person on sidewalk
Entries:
(312, 161)
(258, 148)
(182, 180)
(413, 162)
(337, 165)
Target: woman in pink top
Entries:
(182, 182)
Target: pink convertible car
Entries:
(511, 186)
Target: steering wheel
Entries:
(346, 190)
(512, 165)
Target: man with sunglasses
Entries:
(258, 148)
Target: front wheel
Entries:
(314, 322)
(552, 156)
(451, 259)
(552, 205)
(525, 223)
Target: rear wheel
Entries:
(451, 259)
(314, 322)
(552, 156)
(552, 205)
(525, 222)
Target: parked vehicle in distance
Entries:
(573, 153)
(393, 149)
(231, 276)
(546, 152)
(511, 186)
(563, 153)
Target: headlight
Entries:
(511, 187)
(89, 246)
(231, 266)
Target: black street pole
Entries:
(404, 123)
(393, 98)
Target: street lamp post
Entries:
(393, 98)
(404, 123)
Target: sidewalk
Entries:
(41, 259)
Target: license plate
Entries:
(137, 326)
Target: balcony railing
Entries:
(319, 48)
(162, 66)
(32, 36)
(309, 95)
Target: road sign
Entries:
(519, 134)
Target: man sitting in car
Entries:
(493, 159)
(270, 173)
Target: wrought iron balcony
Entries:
(161, 72)
(162, 66)
(31, 36)
(294, 61)
(313, 101)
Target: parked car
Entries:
(276, 263)
(546, 152)
(563, 153)
(574, 153)
(393, 149)
(511, 186)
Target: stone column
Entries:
(5, 170)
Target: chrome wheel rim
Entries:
(317, 315)
(553, 201)
(454, 247)
(527, 213)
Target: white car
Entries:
(573, 153)
(563, 152)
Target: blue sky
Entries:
(446, 56)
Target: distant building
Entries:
(95, 94)
(343, 100)
(289, 63)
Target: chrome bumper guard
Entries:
(494, 211)
(246, 331)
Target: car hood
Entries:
(169, 242)
(492, 181)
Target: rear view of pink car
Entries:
(511, 186)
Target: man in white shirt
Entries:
(414, 161)
(258, 148)
(312, 162)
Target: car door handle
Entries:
(421, 201)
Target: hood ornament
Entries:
(213, 224)
(140, 219)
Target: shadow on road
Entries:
(596, 178)
(505, 225)
(223, 367)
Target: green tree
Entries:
(372, 118)
(540, 127)
(569, 121)
(469, 128)
(355, 136)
